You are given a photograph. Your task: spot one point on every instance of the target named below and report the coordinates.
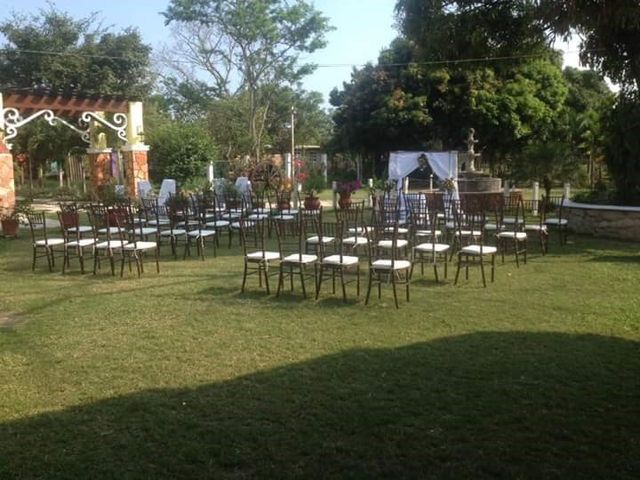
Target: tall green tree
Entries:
(51, 48)
(63, 53)
(247, 47)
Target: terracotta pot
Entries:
(10, 227)
(312, 203)
(345, 200)
(284, 205)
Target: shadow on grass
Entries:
(617, 258)
(485, 405)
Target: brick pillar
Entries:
(7, 185)
(136, 166)
(100, 165)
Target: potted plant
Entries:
(378, 186)
(11, 219)
(345, 189)
(283, 195)
(313, 184)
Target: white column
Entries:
(567, 190)
(370, 184)
(405, 185)
(288, 164)
(211, 174)
(431, 182)
(505, 190)
(324, 163)
(536, 193)
(334, 186)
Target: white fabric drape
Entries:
(443, 164)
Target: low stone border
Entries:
(610, 221)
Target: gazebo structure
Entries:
(87, 115)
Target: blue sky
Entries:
(360, 33)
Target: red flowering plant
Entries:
(310, 175)
(348, 187)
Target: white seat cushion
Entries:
(490, 226)
(431, 247)
(218, 224)
(468, 233)
(335, 260)
(144, 230)
(203, 233)
(478, 250)
(358, 230)
(284, 218)
(288, 211)
(384, 264)
(140, 246)
(536, 228)
(81, 229)
(232, 216)
(112, 244)
(556, 221)
(160, 221)
(236, 225)
(516, 235)
(111, 230)
(316, 240)
(428, 233)
(400, 243)
(300, 258)
(84, 242)
(258, 216)
(355, 241)
(509, 220)
(176, 231)
(260, 256)
(50, 242)
(401, 230)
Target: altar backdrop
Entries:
(443, 164)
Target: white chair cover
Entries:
(168, 187)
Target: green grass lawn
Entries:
(178, 375)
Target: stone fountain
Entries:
(471, 180)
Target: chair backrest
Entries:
(256, 229)
(290, 243)
(469, 224)
(69, 215)
(119, 222)
(37, 225)
(352, 216)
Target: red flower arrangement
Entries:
(348, 187)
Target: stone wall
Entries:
(7, 186)
(608, 221)
(135, 166)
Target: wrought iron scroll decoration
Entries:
(119, 124)
(13, 121)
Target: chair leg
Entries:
(319, 282)
(395, 292)
(493, 268)
(484, 280)
(366, 301)
(344, 288)
(244, 276)
(265, 269)
(455, 282)
(358, 280)
(304, 290)
(158, 259)
(280, 279)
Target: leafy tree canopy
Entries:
(246, 49)
(54, 49)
